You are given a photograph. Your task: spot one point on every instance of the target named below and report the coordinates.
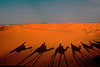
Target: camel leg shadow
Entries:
(85, 55)
(3, 57)
(53, 61)
(81, 60)
(31, 60)
(53, 57)
(76, 60)
(86, 58)
(65, 60)
(25, 59)
(59, 60)
(96, 51)
(9, 56)
(37, 59)
(14, 55)
(94, 54)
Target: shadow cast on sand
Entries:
(95, 45)
(13, 53)
(87, 47)
(39, 50)
(97, 42)
(78, 49)
(61, 51)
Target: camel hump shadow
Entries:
(60, 49)
(86, 46)
(43, 48)
(74, 48)
(95, 45)
(97, 42)
(21, 48)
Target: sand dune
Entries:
(12, 36)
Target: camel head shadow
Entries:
(74, 48)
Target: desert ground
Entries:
(12, 36)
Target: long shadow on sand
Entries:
(13, 53)
(97, 42)
(87, 47)
(95, 45)
(61, 51)
(78, 49)
(39, 50)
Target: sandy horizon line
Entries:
(54, 23)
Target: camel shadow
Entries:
(97, 42)
(87, 47)
(39, 50)
(13, 53)
(61, 51)
(95, 45)
(78, 49)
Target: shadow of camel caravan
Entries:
(78, 49)
(78, 55)
(97, 42)
(87, 47)
(40, 51)
(13, 53)
(95, 45)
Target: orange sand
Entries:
(52, 34)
